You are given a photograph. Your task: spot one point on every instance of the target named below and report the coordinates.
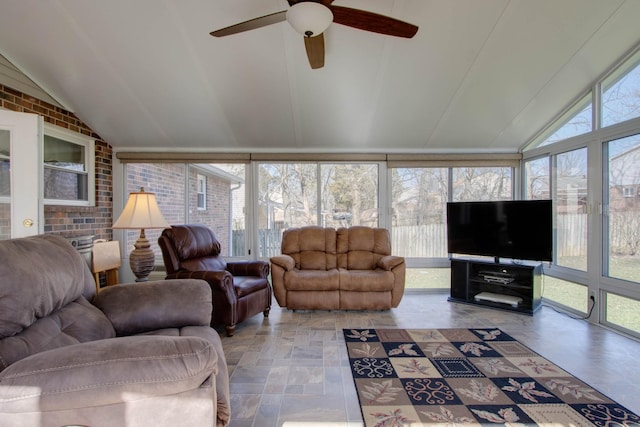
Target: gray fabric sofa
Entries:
(133, 355)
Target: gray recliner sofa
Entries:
(133, 355)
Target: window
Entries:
(536, 178)
(482, 183)
(222, 187)
(621, 93)
(5, 163)
(566, 293)
(623, 221)
(325, 194)
(69, 176)
(578, 120)
(419, 200)
(201, 193)
(349, 195)
(418, 221)
(596, 226)
(571, 209)
(622, 312)
(419, 197)
(5, 184)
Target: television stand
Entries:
(508, 286)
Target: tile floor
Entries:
(291, 369)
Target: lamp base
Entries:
(142, 259)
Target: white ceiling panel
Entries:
(478, 76)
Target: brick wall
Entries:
(71, 220)
(167, 181)
(218, 213)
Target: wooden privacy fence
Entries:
(420, 241)
(430, 240)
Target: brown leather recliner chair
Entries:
(241, 289)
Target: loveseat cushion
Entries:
(33, 283)
(366, 280)
(312, 247)
(107, 372)
(360, 248)
(312, 280)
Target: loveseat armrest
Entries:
(390, 262)
(142, 307)
(82, 382)
(248, 268)
(286, 262)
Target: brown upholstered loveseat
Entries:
(344, 269)
(134, 355)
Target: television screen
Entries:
(516, 229)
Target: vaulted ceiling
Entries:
(480, 75)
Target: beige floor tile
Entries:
(292, 370)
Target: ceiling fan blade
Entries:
(315, 50)
(373, 22)
(251, 24)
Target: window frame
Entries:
(89, 160)
(201, 191)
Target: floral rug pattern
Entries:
(455, 377)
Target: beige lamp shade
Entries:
(140, 212)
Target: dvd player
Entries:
(504, 299)
(496, 277)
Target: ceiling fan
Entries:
(312, 17)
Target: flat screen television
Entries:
(516, 229)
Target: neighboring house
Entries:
(624, 180)
(210, 203)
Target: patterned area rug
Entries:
(450, 377)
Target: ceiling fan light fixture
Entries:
(309, 18)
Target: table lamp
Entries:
(141, 211)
